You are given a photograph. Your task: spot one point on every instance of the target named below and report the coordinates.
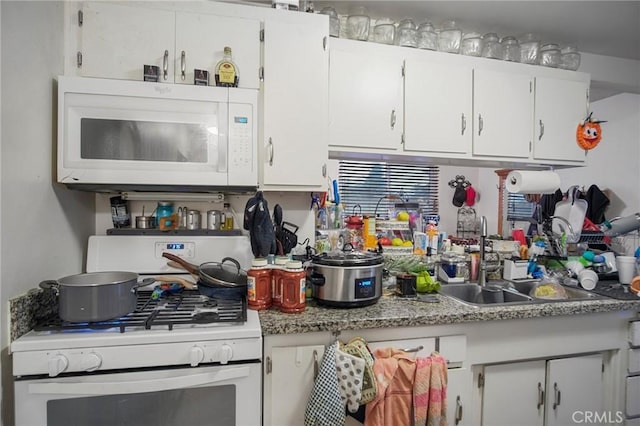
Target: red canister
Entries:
(294, 280)
(259, 285)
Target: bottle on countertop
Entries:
(226, 71)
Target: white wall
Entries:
(614, 164)
(44, 226)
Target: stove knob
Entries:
(226, 353)
(57, 364)
(91, 362)
(196, 355)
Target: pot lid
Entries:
(226, 273)
(348, 258)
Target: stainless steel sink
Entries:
(506, 293)
(472, 294)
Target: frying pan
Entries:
(214, 274)
(574, 210)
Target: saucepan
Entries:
(96, 296)
(225, 279)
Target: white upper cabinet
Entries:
(295, 102)
(200, 43)
(365, 95)
(560, 105)
(503, 114)
(116, 41)
(438, 107)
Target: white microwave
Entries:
(132, 135)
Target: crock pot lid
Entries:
(349, 258)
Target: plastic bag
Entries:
(548, 288)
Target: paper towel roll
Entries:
(532, 182)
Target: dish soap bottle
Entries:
(226, 71)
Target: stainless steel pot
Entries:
(346, 279)
(96, 296)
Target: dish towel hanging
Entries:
(358, 347)
(421, 391)
(325, 407)
(437, 410)
(349, 370)
(394, 370)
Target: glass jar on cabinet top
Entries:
(510, 49)
(358, 23)
(529, 47)
(550, 55)
(407, 33)
(384, 31)
(471, 44)
(449, 37)
(569, 58)
(427, 37)
(491, 46)
(334, 21)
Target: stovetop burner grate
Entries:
(187, 307)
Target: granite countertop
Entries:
(393, 311)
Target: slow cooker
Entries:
(346, 279)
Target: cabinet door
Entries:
(295, 135)
(200, 43)
(512, 394)
(503, 113)
(560, 106)
(117, 41)
(365, 95)
(459, 386)
(437, 115)
(574, 385)
(289, 384)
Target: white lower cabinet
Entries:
(288, 380)
(552, 392)
(459, 386)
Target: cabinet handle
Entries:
(324, 43)
(393, 119)
(556, 396)
(540, 396)
(165, 64)
(541, 130)
(270, 152)
(183, 65)
(480, 124)
(315, 365)
(464, 124)
(458, 418)
(324, 170)
(416, 349)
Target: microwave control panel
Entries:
(240, 136)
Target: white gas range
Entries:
(183, 349)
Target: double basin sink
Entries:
(507, 293)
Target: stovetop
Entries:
(173, 310)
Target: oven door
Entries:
(226, 395)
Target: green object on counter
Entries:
(425, 283)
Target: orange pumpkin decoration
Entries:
(589, 133)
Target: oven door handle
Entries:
(128, 386)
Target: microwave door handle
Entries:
(132, 387)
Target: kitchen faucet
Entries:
(482, 273)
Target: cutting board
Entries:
(573, 209)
